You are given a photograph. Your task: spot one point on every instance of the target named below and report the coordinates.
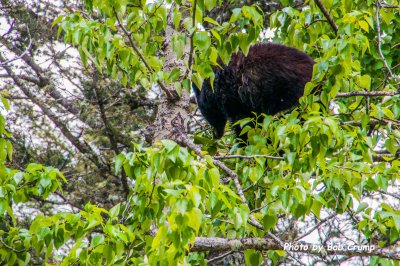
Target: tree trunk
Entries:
(173, 113)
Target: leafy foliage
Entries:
(323, 157)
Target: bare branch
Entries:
(81, 146)
(318, 225)
(378, 33)
(396, 196)
(221, 256)
(22, 54)
(190, 61)
(109, 132)
(384, 5)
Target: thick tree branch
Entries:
(327, 16)
(172, 119)
(366, 93)
(247, 157)
(202, 244)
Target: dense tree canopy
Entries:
(105, 160)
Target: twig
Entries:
(21, 55)
(191, 39)
(321, 222)
(262, 207)
(82, 146)
(327, 16)
(109, 131)
(10, 29)
(11, 248)
(378, 31)
(221, 256)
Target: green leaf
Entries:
(365, 82)
(119, 160)
(114, 211)
(57, 20)
(97, 240)
(210, 20)
(362, 206)
(391, 146)
(215, 177)
(169, 144)
(285, 2)
(364, 25)
(174, 75)
(195, 219)
(253, 257)
(210, 4)
(316, 208)
(202, 40)
(269, 221)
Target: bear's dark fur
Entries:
(270, 79)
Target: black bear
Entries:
(270, 79)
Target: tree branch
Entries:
(396, 196)
(366, 93)
(190, 60)
(132, 44)
(318, 225)
(202, 244)
(372, 122)
(235, 180)
(81, 146)
(378, 32)
(42, 81)
(230, 173)
(247, 157)
(23, 53)
(327, 16)
(109, 132)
